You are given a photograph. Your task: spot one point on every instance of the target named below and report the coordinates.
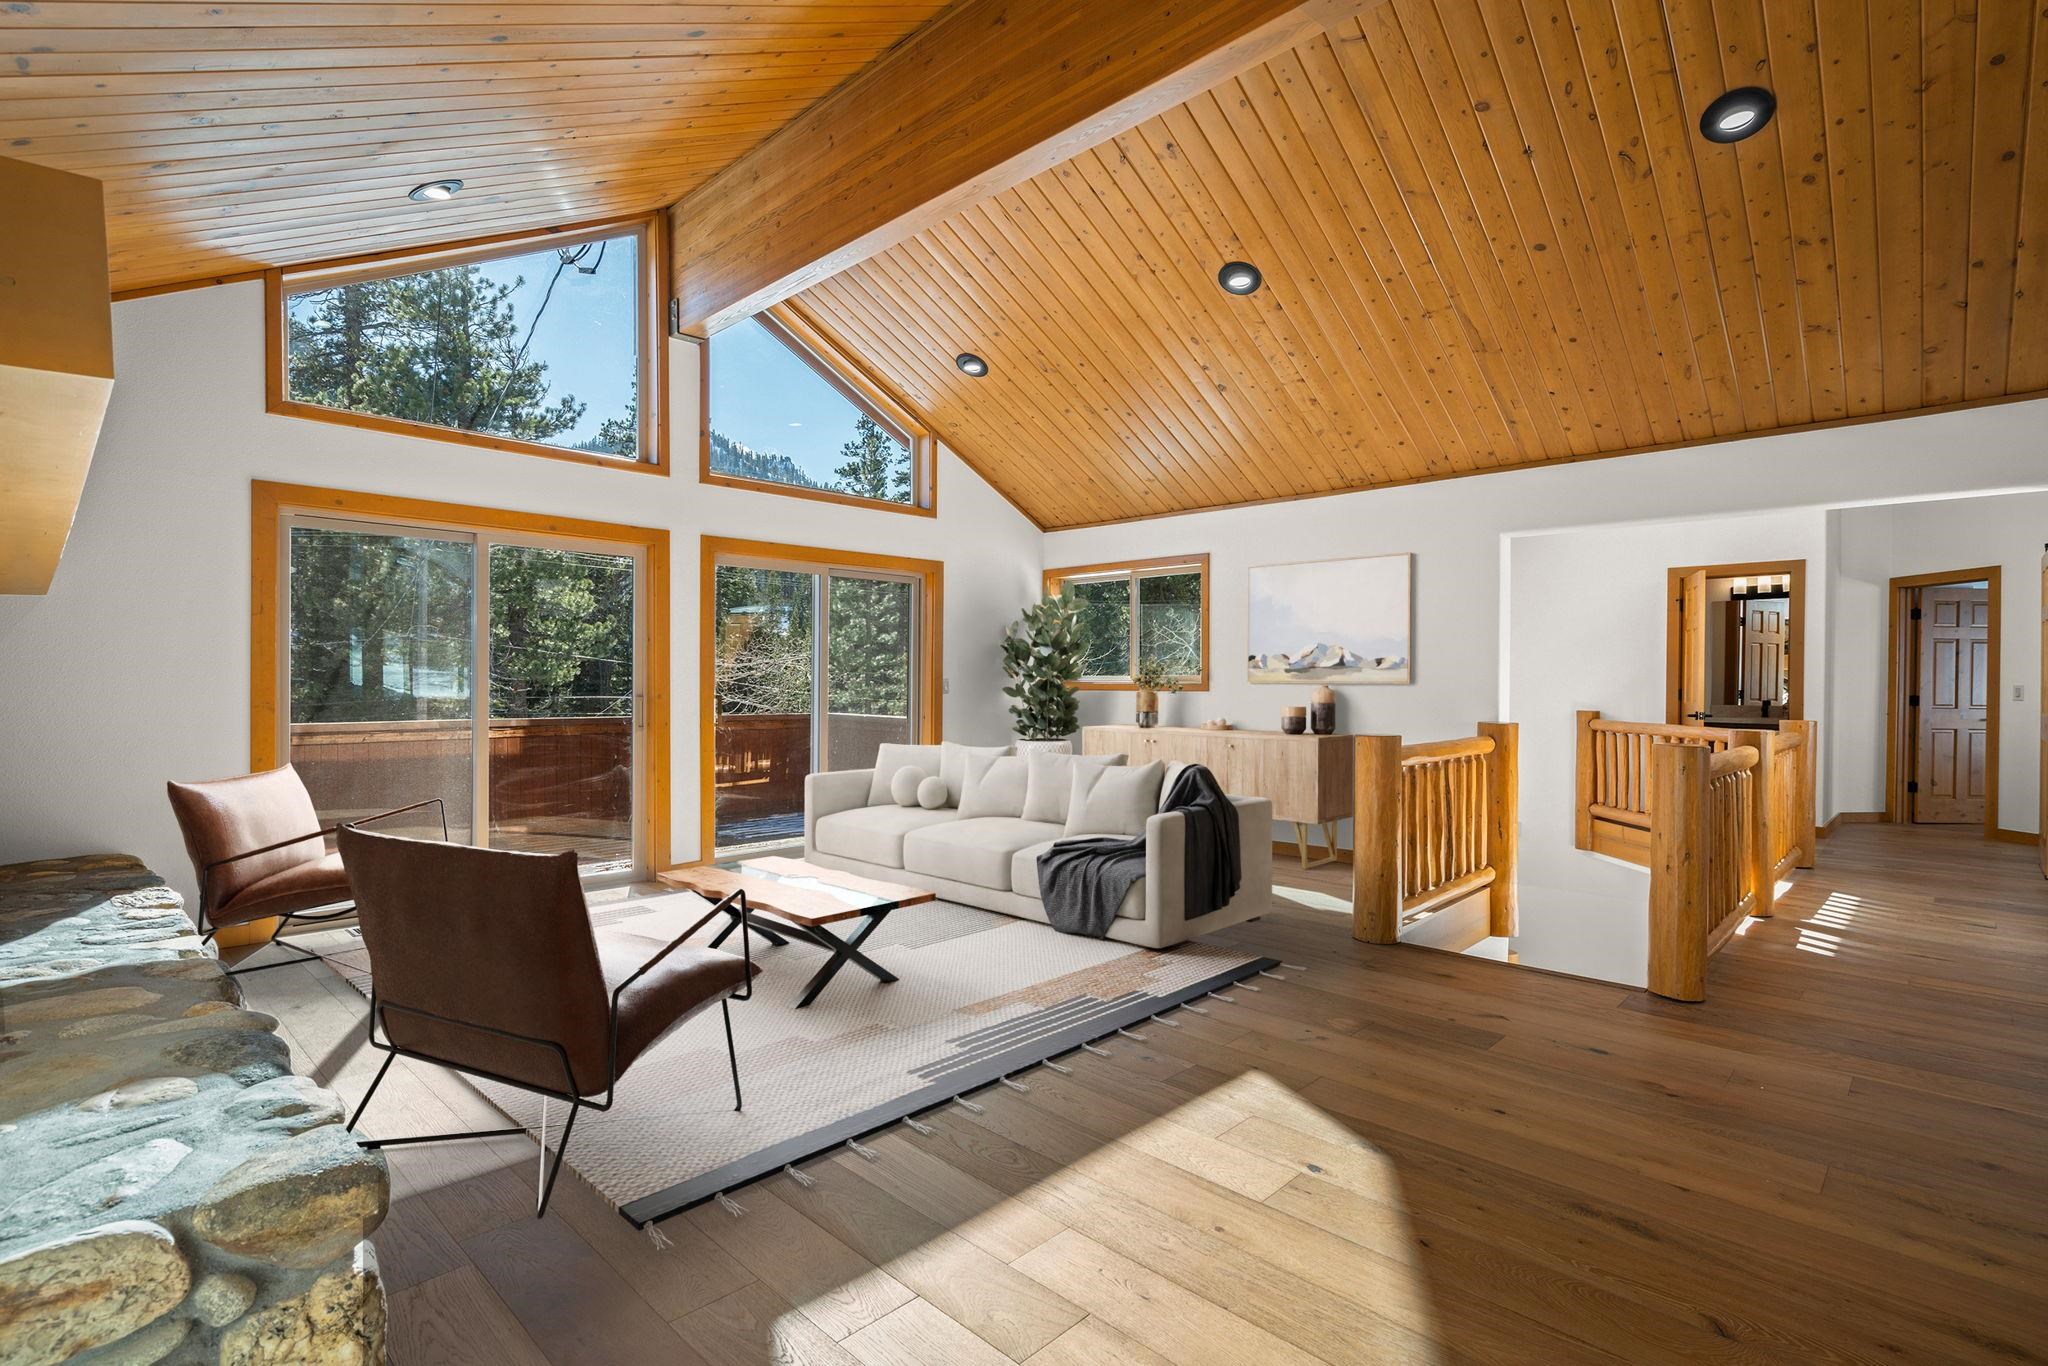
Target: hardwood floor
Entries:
(1397, 1155)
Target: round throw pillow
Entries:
(931, 793)
(903, 787)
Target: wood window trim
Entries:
(835, 364)
(270, 503)
(653, 379)
(1198, 682)
(1898, 684)
(931, 576)
(1674, 664)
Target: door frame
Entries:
(270, 503)
(1901, 637)
(1795, 643)
(931, 577)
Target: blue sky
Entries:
(587, 337)
(764, 397)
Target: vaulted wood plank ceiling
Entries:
(1492, 236)
(235, 135)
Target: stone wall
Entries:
(169, 1190)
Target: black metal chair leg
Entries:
(547, 1191)
(299, 955)
(731, 1054)
(376, 1082)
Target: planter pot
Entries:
(1148, 707)
(1061, 746)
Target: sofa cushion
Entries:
(953, 764)
(975, 850)
(1113, 801)
(995, 786)
(890, 758)
(1024, 881)
(874, 834)
(1048, 776)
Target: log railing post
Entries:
(1803, 802)
(1582, 815)
(1503, 781)
(1376, 840)
(1760, 840)
(1679, 851)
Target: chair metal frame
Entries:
(379, 1009)
(342, 910)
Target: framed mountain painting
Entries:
(1332, 621)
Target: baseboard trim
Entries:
(1841, 818)
(2014, 836)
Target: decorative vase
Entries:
(1293, 720)
(1063, 745)
(1148, 707)
(1322, 710)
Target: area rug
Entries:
(980, 996)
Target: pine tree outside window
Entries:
(543, 344)
(1137, 611)
(786, 411)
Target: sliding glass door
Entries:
(497, 673)
(814, 667)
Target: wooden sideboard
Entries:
(1306, 777)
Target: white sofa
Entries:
(992, 861)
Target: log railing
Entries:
(1707, 859)
(1433, 824)
(1615, 792)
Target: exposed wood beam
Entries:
(982, 98)
(56, 362)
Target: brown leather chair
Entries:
(484, 960)
(259, 852)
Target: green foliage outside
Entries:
(381, 629)
(1041, 656)
(442, 347)
(1169, 624)
(764, 644)
(872, 465)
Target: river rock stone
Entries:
(97, 1186)
(223, 1297)
(301, 1204)
(146, 1346)
(64, 1297)
(289, 1104)
(150, 1091)
(339, 1322)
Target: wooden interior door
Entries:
(2041, 696)
(1764, 639)
(1953, 697)
(1693, 702)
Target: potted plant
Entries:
(1041, 656)
(1151, 680)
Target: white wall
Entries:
(134, 669)
(1461, 532)
(1877, 544)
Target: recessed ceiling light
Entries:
(971, 364)
(433, 190)
(1738, 114)
(1239, 277)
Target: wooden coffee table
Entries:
(786, 898)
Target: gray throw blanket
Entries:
(1083, 881)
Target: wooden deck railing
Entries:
(1707, 859)
(1433, 824)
